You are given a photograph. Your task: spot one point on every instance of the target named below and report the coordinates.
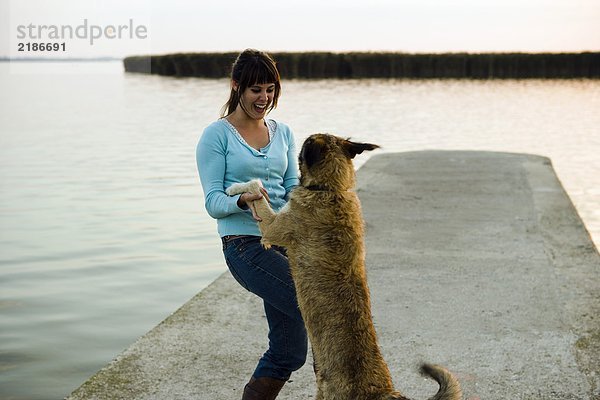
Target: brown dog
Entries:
(322, 229)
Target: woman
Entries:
(241, 146)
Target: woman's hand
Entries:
(246, 199)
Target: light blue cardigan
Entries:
(224, 158)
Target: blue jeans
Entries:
(266, 273)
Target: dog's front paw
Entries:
(236, 188)
(265, 243)
(252, 186)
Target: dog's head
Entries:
(326, 161)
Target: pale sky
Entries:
(335, 25)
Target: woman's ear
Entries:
(234, 85)
(353, 148)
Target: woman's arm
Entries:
(290, 178)
(211, 162)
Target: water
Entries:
(102, 227)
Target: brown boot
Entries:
(262, 389)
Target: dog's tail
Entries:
(449, 386)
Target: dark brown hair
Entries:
(252, 67)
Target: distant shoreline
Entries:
(322, 65)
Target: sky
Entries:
(415, 26)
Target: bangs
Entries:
(259, 73)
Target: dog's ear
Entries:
(312, 152)
(353, 148)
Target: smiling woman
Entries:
(239, 147)
(257, 100)
(252, 70)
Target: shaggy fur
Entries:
(322, 229)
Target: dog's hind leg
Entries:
(317, 375)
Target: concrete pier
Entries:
(477, 261)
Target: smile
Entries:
(260, 107)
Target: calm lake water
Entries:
(103, 231)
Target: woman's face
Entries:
(256, 99)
